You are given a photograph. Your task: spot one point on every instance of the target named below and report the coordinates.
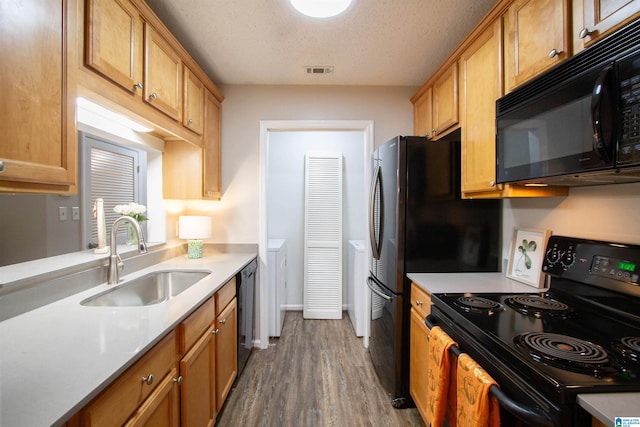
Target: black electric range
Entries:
(580, 336)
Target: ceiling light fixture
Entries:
(321, 8)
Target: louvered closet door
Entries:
(323, 237)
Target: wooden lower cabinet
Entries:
(226, 352)
(197, 369)
(419, 363)
(162, 408)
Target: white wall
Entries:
(285, 196)
(236, 216)
(609, 212)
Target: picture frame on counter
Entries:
(528, 247)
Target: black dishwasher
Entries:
(245, 291)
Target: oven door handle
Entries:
(524, 413)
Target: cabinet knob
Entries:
(584, 33)
(148, 379)
(433, 131)
(189, 121)
(554, 52)
(137, 86)
(216, 332)
(153, 96)
(2, 166)
(223, 321)
(178, 380)
(418, 302)
(492, 183)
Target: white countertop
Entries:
(603, 406)
(437, 283)
(56, 358)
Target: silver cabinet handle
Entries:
(148, 379)
(216, 332)
(137, 86)
(153, 96)
(3, 167)
(492, 183)
(433, 131)
(418, 302)
(189, 121)
(178, 380)
(223, 321)
(584, 33)
(554, 52)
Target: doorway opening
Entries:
(273, 133)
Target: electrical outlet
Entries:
(75, 213)
(62, 213)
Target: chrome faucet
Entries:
(115, 262)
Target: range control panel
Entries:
(591, 261)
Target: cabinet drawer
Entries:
(119, 401)
(196, 324)
(225, 295)
(420, 300)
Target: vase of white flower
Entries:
(136, 212)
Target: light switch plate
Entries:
(75, 213)
(62, 213)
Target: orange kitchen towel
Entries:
(439, 370)
(475, 407)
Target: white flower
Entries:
(133, 210)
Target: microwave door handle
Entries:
(376, 188)
(602, 114)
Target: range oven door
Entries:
(521, 404)
(569, 128)
(386, 335)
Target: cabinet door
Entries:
(481, 87)
(423, 114)
(536, 38)
(193, 102)
(113, 45)
(445, 101)
(226, 352)
(198, 383)
(419, 363)
(212, 147)
(38, 151)
(601, 17)
(162, 75)
(181, 170)
(161, 409)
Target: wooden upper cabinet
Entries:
(435, 109)
(38, 138)
(114, 42)
(193, 102)
(481, 86)
(423, 114)
(162, 74)
(212, 147)
(445, 100)
(537, 37)
(594, 19)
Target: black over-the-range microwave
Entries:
(578, 123)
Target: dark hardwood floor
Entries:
(316, 374)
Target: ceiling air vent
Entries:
(319, 70)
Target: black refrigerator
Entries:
(419, 224)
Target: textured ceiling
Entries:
(375, 42)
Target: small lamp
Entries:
(194, 229)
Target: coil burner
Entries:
(479, 305)
(629, 348)
(566, 352)
(537, 306)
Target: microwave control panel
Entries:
(629, 78)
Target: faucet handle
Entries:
(120, 263)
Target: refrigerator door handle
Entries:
(376, 184)
(370, 284)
